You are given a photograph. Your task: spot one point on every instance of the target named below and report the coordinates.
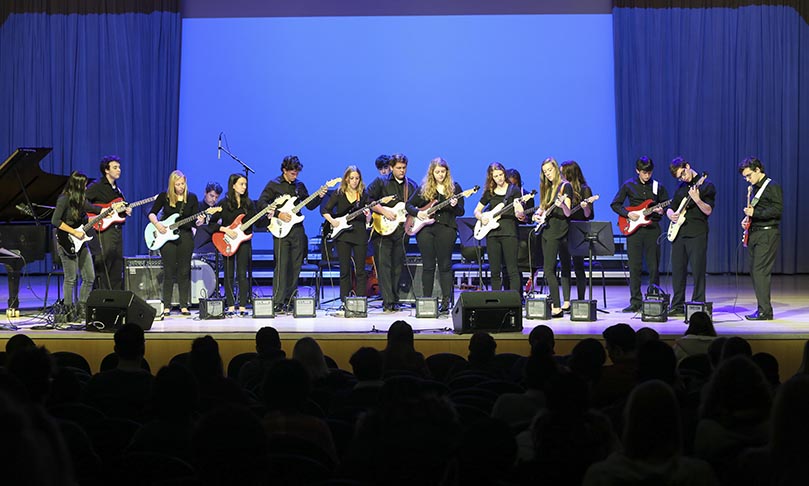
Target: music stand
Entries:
(466, 237)
(588, 238)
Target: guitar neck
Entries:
(306, 201)
(103, 214)
(141, 202)
(651, 209)
(186, 220)
(354, 214)
(444, 204)
(258, 215)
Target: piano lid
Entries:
(20, 173)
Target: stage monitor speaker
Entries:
(498, 311)
(410, 285)
(107, 310)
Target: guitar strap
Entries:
(655, 187)
(759, 193)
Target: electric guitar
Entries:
(674, 227)
(383, 225)
(113, 217)
(227, 245)
(344, 222)
(70, 244)
(541, 221)
(643, 210)
(279, 228)
(413, 224)
(481, 230)
(746, 221)
(155, 239)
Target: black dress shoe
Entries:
(676, 311)
(558, 314)
(758, 316)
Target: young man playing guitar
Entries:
(763, 216)
(108, 248)
(642, 243)
(389, 252)
(289, 247)
(694, 199)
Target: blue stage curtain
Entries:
(714, 82)
(91, 78)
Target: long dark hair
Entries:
(74, 191)
(572, 173)
(233, 205)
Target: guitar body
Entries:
(384, 226)
(110, 219)
(342, 225)
(627, 226)
(746, 233)
(154, 239)
(69, 243)
(227, 245)
(280, 229)
(674, 227)
(482, 230)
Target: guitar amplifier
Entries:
(144, 277)
(410, 284)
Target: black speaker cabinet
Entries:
(107, 310)
(499, 311)
(144, 276)
(410, 285)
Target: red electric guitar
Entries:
(115, 217)
(746, 220)
(643, 210)
(227, 245)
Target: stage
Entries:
(732, 298)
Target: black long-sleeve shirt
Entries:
(638, 192)
(508, 222)
(279, 186)
(696, 222)
(767, 211)
(387, 185)
(445, 215)
(338, 206)
(229, 214)
(60, 214)
(183, 208)
(102, 192)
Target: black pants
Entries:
(109, 262)
(237, 264)
(13, 272)
(389, 259)
(762, 246)
(551, 248)
(581, 277)
(640, 245)
(288, 253)
(345, 251)
(435, 244)
(503, 249)
(685, 251)
(176, 257)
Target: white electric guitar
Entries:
(674, 227)
(541, 220)
(493, 216)
(279, 228)
(70, 244)
(344, 222)
(413, 224)
(155, 239)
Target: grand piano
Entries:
(28, 193)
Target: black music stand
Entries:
(588, 238)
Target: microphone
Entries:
(219, 149)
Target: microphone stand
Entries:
(247, 169)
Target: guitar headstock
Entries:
(701, 179)
(529, 196)
(471, 191)
(592, 199)
(332, 183)
(387, 199)
(213, 209)
(280, 200)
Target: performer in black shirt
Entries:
(762, 218)
(572, 173)
(643, 242)
(108, 248)
(555, 199)
(68, 217)
(437, 240)
(202, 235)
(389, 251)
(288, 251)
(502, 242)
(351, 243)
(176, 254)
(236, 202)
(690, 246)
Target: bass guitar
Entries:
(155, 239)
(746, 220)
(279, 228)
(643, 210)
(493, 216)
(541, 221)
(385, 226)
(413, 224)
(70, 244)
(344, 222)
(227, 245)
(674, 227)
(113, 217)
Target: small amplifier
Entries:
(583, 310)
(212, 308)
(693, 307)
(262, 307)
(157, 304)
(538, 307)
(655, 311)
(304, 307)
(426, 307)
(356, 307)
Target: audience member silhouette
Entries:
(656, 361)
(803, 369)
(697, 338)
(400, 355)
(652, 445)
(268, 349)
(736, 346)
(617, 379)
(644, 335)
(587, 359)
(769, 366)
(215, 388)
(482, 349)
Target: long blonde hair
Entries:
(429, 187)
(548, 188)
(344, 183)
(171, 193)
